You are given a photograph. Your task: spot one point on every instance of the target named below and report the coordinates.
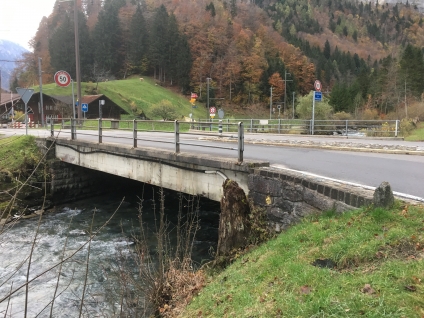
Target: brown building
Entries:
(57, 107)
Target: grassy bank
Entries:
(133, 94)
(364, 263)
(417, 134)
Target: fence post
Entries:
(177, 136)
(51, 129)
(240, 142)
(251, 125)
(228, 122)
(135, 133)
(100, 131)
(397, 128)
(279, 125)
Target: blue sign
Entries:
(84, 107)
(318, 96)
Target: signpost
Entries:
(317, 97)
(26, 94)
(62, 78)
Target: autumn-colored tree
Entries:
(277, 84)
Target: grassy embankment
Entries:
(18, 157)
(417, 134)
(133, 94)
(365, 263)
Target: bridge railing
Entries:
(350, 127)
(139, 128)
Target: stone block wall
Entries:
(70, 182)
(289, 195)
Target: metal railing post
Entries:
(135, 133)
(63, 123)
(177, 136)
(397, 128)
(228, 121)
(100, 131)
(73, 129)
(240, 142)
(251, 125)
(347, 127)
(279, 125)
(51, 129)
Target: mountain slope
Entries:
(9, 51)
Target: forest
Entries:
(369, 57)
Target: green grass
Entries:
(372, 246)
(17, 154)
(16, 151)
(417, 134)
(133, 92)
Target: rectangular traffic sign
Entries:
(84, 107)
(318, 96)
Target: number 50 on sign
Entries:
(62, 78)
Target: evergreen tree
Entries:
(138, 45)
(159, 42)
(107, 38)
(62, 46)
(184, 63)
(327, 50)
(412, 68)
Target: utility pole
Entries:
(41, 91)
(207, 96)
(285, 88)
(77, 59)
(270, 104)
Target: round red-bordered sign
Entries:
(212, 110)
(62, 78)
(317, 86)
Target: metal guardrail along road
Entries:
(177, 128)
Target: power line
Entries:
(12, 61)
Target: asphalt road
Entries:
(405, 173)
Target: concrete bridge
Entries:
(287, 195)
(182, 172)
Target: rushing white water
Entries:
(111, 244)
(110, 250)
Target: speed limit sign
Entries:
(62, 78)
(317, 86)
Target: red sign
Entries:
(193, 95)
(62, 78)
(317, 86)
(212, 110)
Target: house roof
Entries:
(90, 98)
(7, 98)
(85, 99)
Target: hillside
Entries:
(366, 263)
(134, 96)
(9, 52)
(243, 48)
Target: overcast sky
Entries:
(19, 19)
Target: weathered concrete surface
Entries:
(187, 173)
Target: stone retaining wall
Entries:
(288, 195)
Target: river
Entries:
(111, 254)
